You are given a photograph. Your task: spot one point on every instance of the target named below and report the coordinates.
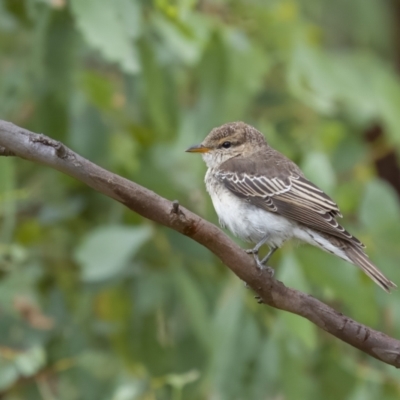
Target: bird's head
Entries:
(227, 141)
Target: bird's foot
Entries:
(261, 263)
(251, 251)
(270, 270)
(268, 256)
(264, 267)
(259, 299)
(254, 252)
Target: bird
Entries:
(264, 198)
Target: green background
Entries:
(98, 303)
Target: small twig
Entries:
(259, 299)
(175, 207)
(60, 149)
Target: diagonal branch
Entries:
(44, 150)
(5, 152)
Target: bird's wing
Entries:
(290, 195)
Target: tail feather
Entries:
(351, 251)
(361, 260)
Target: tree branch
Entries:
(5, 152)
(44, 150)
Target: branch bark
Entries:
(41, 149)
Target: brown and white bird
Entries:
(263, 197)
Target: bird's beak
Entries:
(198, 148)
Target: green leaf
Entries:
(159, 93)
(329, 81)
(105, 252)
(184, 45)
(87, 126)
(8, 199)
(29, 362)
(98, 89)
(129, 389)
(225, 334)
(100, 364)
(236, 340)
(379, 209)
(387, 88)
(196, 306)
(103, 24)
(266, 373)
(293, 384)
(178, 381)
(8, 374)
(225, 91)
(318, 170)
(291, 274)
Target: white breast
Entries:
(246, 221)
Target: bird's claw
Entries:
(270, 270)
(254, 252)
(251, 251)
(267, 268)
(261, 263)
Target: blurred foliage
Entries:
(98, 303)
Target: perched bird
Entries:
(264, 198)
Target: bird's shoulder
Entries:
(267, 162)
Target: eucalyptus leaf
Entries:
(318, 169)
(29, 362)
(104, 253)
(103, 25)
(379, 209)
(8, 374)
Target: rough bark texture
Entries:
(16, 141)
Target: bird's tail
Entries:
(357, 256)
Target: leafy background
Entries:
(98, 303)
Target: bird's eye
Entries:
(226, 145)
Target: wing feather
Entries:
(294, 197)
